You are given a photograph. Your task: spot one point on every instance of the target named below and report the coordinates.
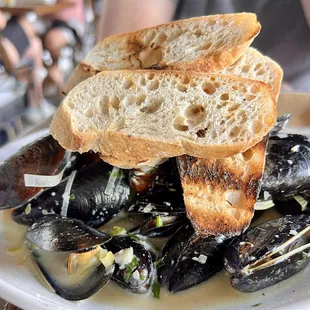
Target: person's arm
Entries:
(306, 6)
(119, 16)
(2, 21)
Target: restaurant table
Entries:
(40, 9)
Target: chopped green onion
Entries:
(28, 208)
(159, 263)
(130, 268)
(116, 173)
(72, 196)
(263, 205)
(257, 305)
(133, 236)
(117, 230)
(142, 277)
(156, 289)
(159, 221)
(303, 202)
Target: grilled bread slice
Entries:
(133, 116)
(220, 194)
(207, 43)
(253, 65)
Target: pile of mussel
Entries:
(67, 220)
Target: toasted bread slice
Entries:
(137, 115)
(207, 43)
(220, 194)
(253, 65)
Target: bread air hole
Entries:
(246, 68)
(104, 105)
(174, 34)
(158, 40)
(208, 88)
(150, 57)
(250, 97)
(150, 76)
(185, 80)
(115, 102)
(89, 113)
(140, 99)
(152, 106)
(247, 155)
(127, 83)
(198, 33)
(257, 127)
(261, 71)
(181, 88)
(254, 89)
(179, 124)
(224, 96)
(234, 132)
(195, 113)
(211, 22)
(268, 120)
(152, 85)
(257, 66)
(71, 105)
(142, 81)
(233, 107)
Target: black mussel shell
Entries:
(145, 268)
(172, 251)
(60, 234)
(70, 287)
(169, 224)
(165, 196)
(287, 169)
(98, 193)
(297, 204)
(78, 161)
(281, 123)
(246, 254)
(200, 259)
(42, 157)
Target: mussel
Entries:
(42, 157)
(287, 169)
(98, 193)
(280, 125)
(135, 273)
(188, 259)
(159, 225)
(269, 253)
(70, 256)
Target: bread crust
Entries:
(132, 151)
(133, 45)
(209, 185)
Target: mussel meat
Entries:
(42, 157)
(98, 193)
(269, 253)
(134, 269)
(55, 243)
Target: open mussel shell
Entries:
(165, 196)
(76, 286)
(42, 157)
(145, 268)
(297, 204)
(99, 191)
(287, 169)
(269, 253)
(59, 234)
(160, 226)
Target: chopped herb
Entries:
(130, 268)
(159, 263)
(142, 277)
(159, 221)
(117, 230)
(156, 289)
(72, 196)
(133, 236)
(28, 208)
(116, 173)
(257, 305)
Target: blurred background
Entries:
(41, 42)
